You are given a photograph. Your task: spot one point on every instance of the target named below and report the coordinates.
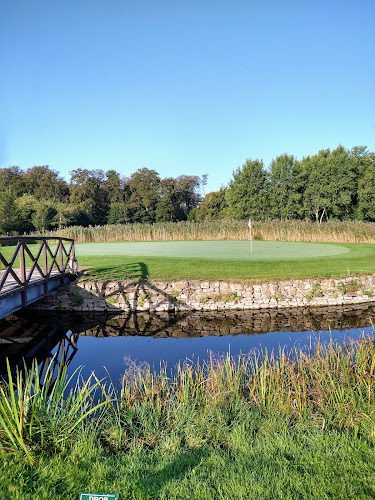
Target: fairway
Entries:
(227, 250)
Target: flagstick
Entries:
(251, 237)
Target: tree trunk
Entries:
(321, 218)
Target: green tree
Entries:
(120, 213)
(144, 193)
(285, 188)
(331, 185)
(12, 181)
(188, 197)
(247, 192)
(365, 162)
(26, 207)
(43, 216)
(89, 193)
(45, 183)
(168, 207)
(9, 219)
(115, 186)
(65, 215)
(213, 207)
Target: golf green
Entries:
(226, 250)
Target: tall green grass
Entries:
(331, 387)
(274, 230)
(43, 413)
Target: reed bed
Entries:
(272, 230)
(330, 387)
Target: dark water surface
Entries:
(109, 343)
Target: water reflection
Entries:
(97, 341)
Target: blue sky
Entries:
(183, 87)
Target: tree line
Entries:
(330, 185)
(40, 199)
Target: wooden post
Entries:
(23, 274)
(61, 260)
(45, 266)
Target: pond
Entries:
(108, 344)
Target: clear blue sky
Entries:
(183, 87)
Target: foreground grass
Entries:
(285, 427)
(360, 260)
(274, 462)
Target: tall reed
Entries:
(274, 230)
(329, 387)
(333, 385)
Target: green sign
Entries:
(98, 496)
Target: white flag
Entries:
(250, 223)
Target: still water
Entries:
(107, 345)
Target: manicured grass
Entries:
(223, 250)
(270, 462)
(357, 259)
(220, 260)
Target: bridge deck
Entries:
(11, 284)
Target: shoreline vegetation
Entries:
(284, 425)
(351, 231)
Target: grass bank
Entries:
(102, 265)
(359, 260)
(273, 230)
(292, 427)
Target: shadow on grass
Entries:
(132, 271)
(152, 484)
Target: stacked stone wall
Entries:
(209, 295)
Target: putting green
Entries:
(226, 250)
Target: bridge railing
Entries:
(39, 263)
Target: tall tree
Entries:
(115, 186)
(285, 188)
(12, 181)
(168, 208)
(45, 183)
(365, 162)
(88, 191)
(144, 188)
(187, 187)
(213, 207)
(331, 183)
(246, 194)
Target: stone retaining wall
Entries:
(209, 295)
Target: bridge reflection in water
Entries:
(59, 338)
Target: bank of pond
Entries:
(202, 406)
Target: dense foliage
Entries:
(39, 199)
(331, 185)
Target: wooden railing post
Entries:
(61, 260)
(23, 274)
(45, 267)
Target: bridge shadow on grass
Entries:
(132, 271)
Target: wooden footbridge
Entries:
(31, 268)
